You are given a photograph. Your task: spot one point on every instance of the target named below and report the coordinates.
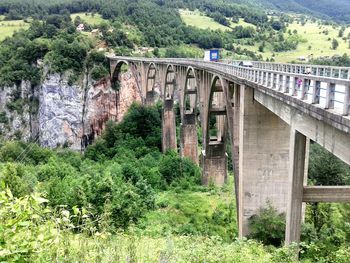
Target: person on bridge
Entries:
(308, 71)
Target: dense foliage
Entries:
(118, 175)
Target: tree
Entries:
(325, 168)
(335, 44)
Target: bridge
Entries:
(265, 115)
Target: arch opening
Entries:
(214, 158)
(189, 115)
(216, 122)
(121, 67)
(151, 78)
(170, 81)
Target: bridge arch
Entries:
(169, 118)
(216, 113)
(190, 98)
(169, 83)
(115, 80)
(189, 114)
(151, 75)
(214, 155)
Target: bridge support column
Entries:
(168, 126)
(189, 138)
(298, 164)
(263, 159)
(214, 165)
(150, 97)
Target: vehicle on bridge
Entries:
(211, 55)
(247, 64)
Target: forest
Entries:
(123, 200)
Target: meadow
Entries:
(7, 28)
(92, 19)
(198, 19)
(318, 38)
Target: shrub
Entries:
(175, 169)
(268, 226)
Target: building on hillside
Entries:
(80, 27)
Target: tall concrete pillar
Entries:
(263, 159)
(297, 167)
(168, 126)
(189, 138)
(150, 98)
(214, 164)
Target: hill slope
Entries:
(338, 10)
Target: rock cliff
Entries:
(58, 114)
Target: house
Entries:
(80, 27)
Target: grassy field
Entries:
(176, 214)
(89, 18)
(197, 19)
(318, 43)
(7, 28)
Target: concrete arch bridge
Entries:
(268, 113)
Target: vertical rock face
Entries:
(65, 115)
(60, 113)
(18, 106)
(127, 95)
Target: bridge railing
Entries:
(317, 70)
(331, 93)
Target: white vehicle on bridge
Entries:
(247, 64)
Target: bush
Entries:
(99, 72)
(175, 169)
(268, 226)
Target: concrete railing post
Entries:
(281, 82)
(295, 86)
(304, 89)
(346, 106)
(264, 79)
(316, 92)
(330, 95)
(268, 80)
(287, 84)
(275, 81)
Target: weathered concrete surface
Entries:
(334, 140)
(214, 165)
(297, 153)
(263, 159)
(168, 127)
(328, 194)
(189, 138)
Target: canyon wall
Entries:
(56, 114)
